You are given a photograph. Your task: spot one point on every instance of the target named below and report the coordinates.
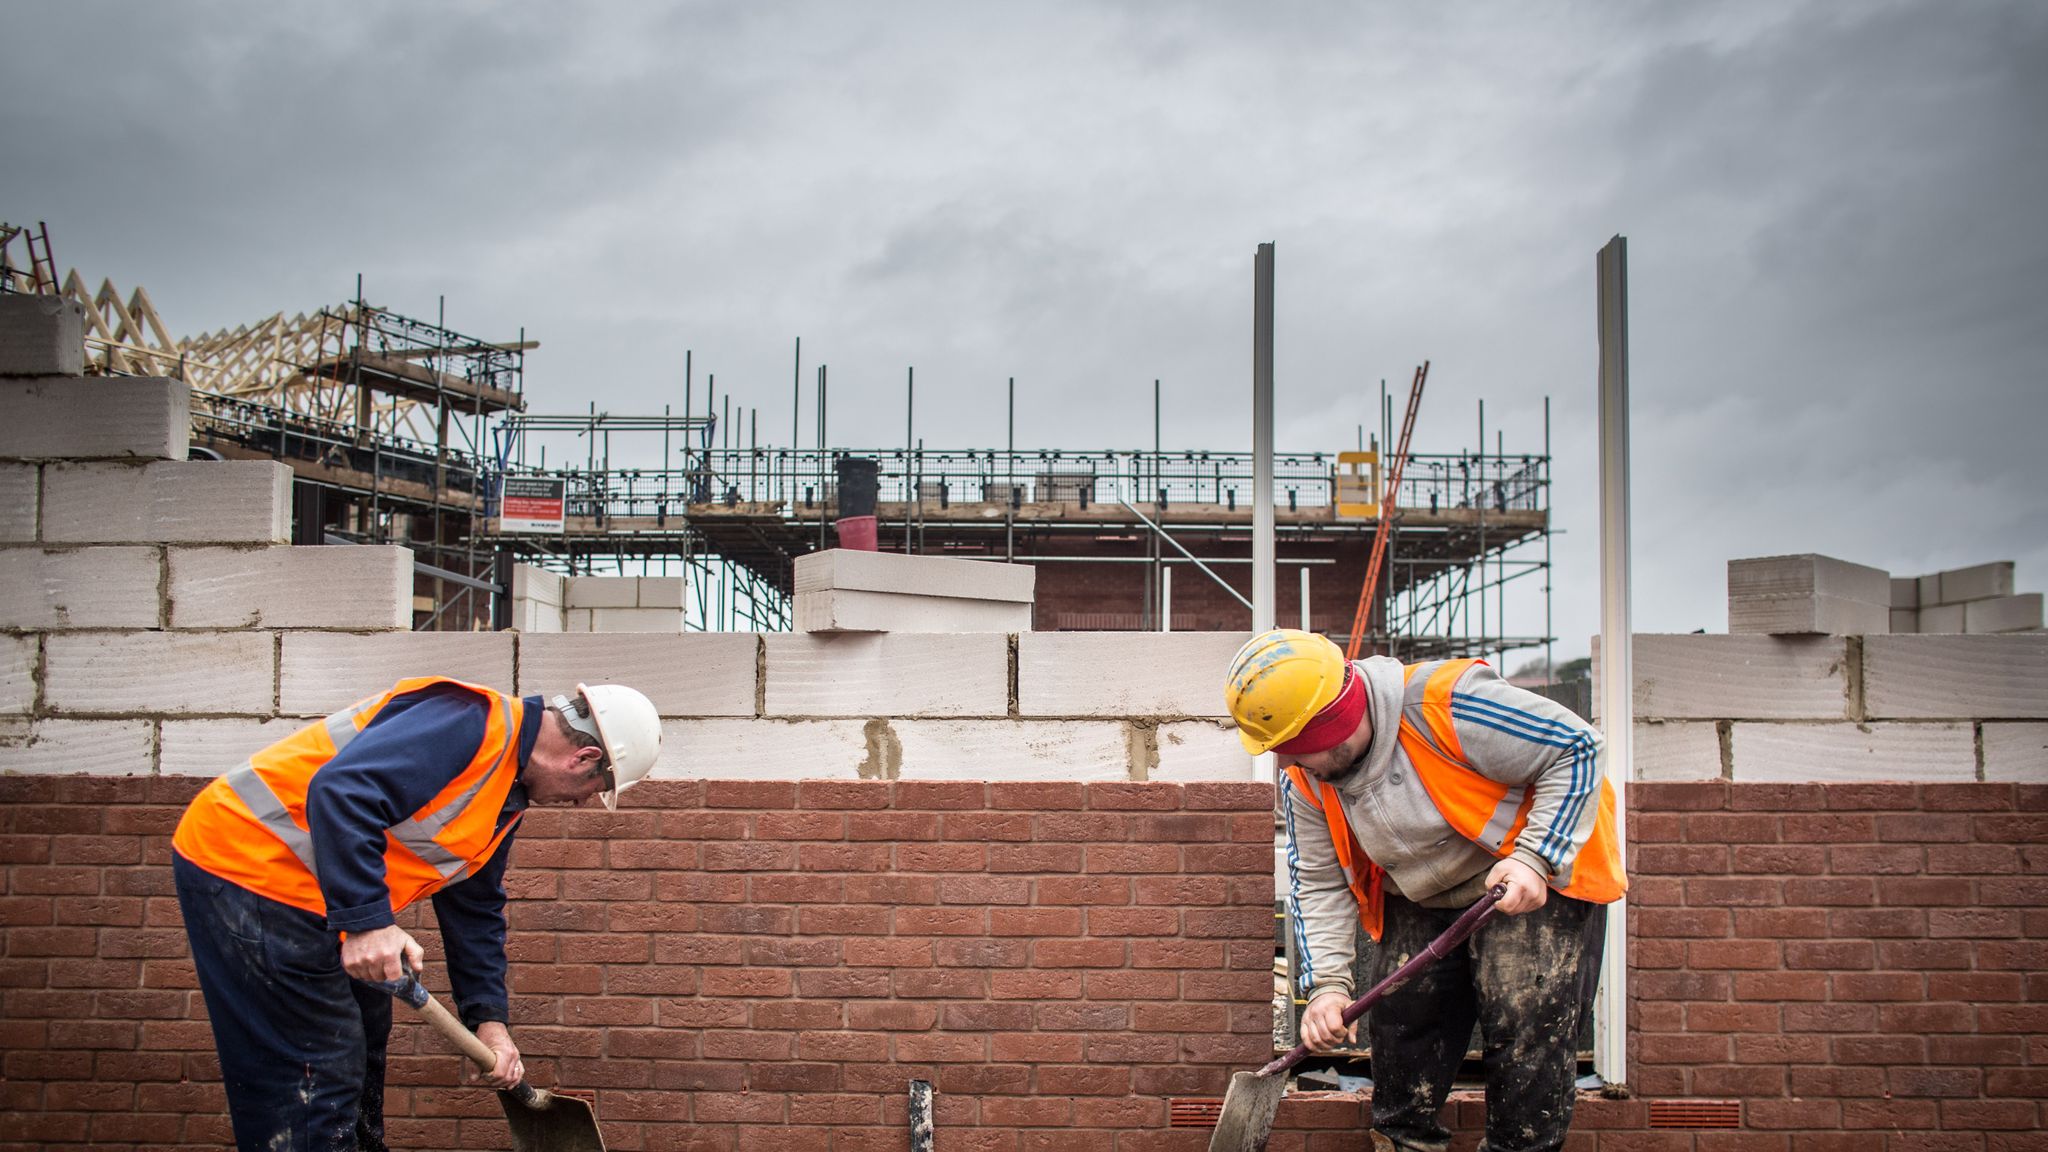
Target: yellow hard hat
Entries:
(1278, 682)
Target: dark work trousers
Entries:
(1527, 981)
(301, 1044)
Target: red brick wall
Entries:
(729, 965)
(766, 965)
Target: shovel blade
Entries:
(551, 1124)
(1248, 1110)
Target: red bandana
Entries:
(1334, 724)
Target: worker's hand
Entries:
(1526, 889)
(510, 1069)
(374, 955)
(1322, 1022)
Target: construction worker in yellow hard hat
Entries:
(291, 868)
(1410, 792)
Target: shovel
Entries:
(1248, 1108)
(541, 1121)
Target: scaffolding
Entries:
(401, 430)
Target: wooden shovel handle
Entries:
(445, 1022)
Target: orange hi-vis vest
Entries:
(249, 827)
(1484, 811)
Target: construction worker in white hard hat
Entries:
(291, 869)
(1410, 791)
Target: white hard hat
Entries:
(625, 722)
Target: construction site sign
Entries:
(532, 504)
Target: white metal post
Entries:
(1166, 598)
(1304, 600)
(1265, 768)
(1617, 711)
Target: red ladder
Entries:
(1363, 619)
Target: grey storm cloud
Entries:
(1836, 242)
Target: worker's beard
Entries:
(1342, 771)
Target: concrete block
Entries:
(576, 620)
(601, 592)
(1124, 673)
(1706, 677)
(853, 571)
(2016, 752)
(764, 750)
(359, 586)
(1808, 574)
(322, 672)
(533, 616)
(41, 336)
(95, 418)
(1956, 677)
(2020, 613)
(1905, 592)
(1014, 750)
(1978, 582)
(963, 674)
(1930, 589)
(216, 673)
(80, 588)
(21, 492)
(176, 502)
(531, 583)
(1846, 753)
(661, 592)
(1675, 750)
(835, 610)
(668, 621)
(1905, 621)
(1199, 750)
(1807, 615)
(1941, 619)
(17, 674)
(691, 674)
(77, 747)
(212, 747)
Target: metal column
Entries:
(1617, 712)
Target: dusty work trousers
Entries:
(1527, 981)
(301, 1044)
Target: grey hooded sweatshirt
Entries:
(1508, 734)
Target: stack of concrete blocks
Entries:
(1978, 600)
(1838, 709)
(544, 601)
(1807, 594)
(841, 590)
(150, 606)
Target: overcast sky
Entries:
(1837, 235)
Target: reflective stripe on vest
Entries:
(216, 837)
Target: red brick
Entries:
(1830, 1018)
(1739, 1080)
(1780, 986)
(1926, 1018)
(1034, 985)
(984, 890)
(1974, 923)
(939, 795)
(1775, 1048)
(752, 794)
(1700, 796)
(1827, 828)
(1780, 923)
(1733, 954)
(803, 825)
(1669, 922)
(2024, 891)
(847, 920)
(941, 921)
(985, 827)
(1081, 827)
(1134, 797)
(1777, 797)
(1034, 922)
(1830, 954)
(1035, 858)
(1978, 1051)
(1976, 987)
(888, 952)
(1228, 796)
(1038, 796)
(1655, 827)
(1948, 1082)
(941, 857)
(1925, 954)
(890, 889)
(1715, 891)
(1678, 859)
(1081, 953)
(981, 953)
(1207, 858)
(1836, 891)
(1180, 891)
(692, 825)
(1731, 828)
(843, 795)
(1135, 921)
(1762, 1017)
